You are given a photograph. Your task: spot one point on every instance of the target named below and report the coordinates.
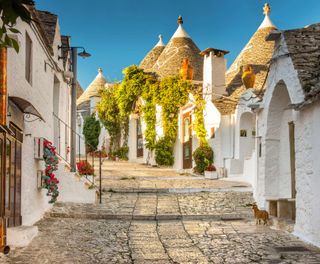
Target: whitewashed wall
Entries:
(308, 174)
(40, 94)
(307, 146)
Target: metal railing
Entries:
(62, 141)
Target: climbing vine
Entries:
(149, 110)
(199, 125)
(141, 92)
(173, 94)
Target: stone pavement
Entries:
(125, 176)
(75, 233)
(157, 206)
(156, 216)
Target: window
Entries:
(213, 132)
(243, 133)
(28, 59)
(186, 130)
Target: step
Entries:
(162, 217)
(177, 190)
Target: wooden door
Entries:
(139, 139)
(8, 179)
(292, 159)
(2, 172)
(11, 178)
(187, 141)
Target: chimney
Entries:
(214, 70)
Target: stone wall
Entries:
(307, 147)
(308, 174)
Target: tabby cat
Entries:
(260, 215)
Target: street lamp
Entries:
(74, 54)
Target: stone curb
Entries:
(165, 217)
(179, 190)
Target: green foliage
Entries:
(173, 94)
(10, 11)
(130, 89)
(203, 156)
(199, 118)
(91, 132)
(122, 153)
(170, 93)
(164, 152)
(149, 110)
(109, 113)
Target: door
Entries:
(11, 177)
(2, 171)
(292, 159)
(187, 141)
(139, 139)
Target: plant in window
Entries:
(50, 182)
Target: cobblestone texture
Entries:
(63, 240)
(161, 228)
(152, 206)
(133, 177)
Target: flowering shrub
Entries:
(85, 168)
(211, 167)
(203, 157)
(51, 164)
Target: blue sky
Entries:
(119, 33)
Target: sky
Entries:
(119, 33)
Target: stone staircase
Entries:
(74, 188)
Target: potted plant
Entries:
(85, 169)
(211, 172)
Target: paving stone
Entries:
(159, 228)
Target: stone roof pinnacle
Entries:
(266, 23)
(180, 32)
(266, 9)
(160, 42)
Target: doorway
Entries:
(10, 167)
(187, 141)
(139, 139)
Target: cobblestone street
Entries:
(161, 227)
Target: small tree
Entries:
(91, 132)
(108, 112)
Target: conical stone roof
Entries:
(179, 47)
(151, 58)
(93, 89)
(256, 53)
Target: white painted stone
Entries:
(73, 188)
(180, 33)
(160, 42)
(283, 88)
(21, 236)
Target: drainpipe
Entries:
(3, 85)
(3, 121)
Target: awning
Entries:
(25, 106)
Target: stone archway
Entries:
(278, 145)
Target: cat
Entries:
(260, 215)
